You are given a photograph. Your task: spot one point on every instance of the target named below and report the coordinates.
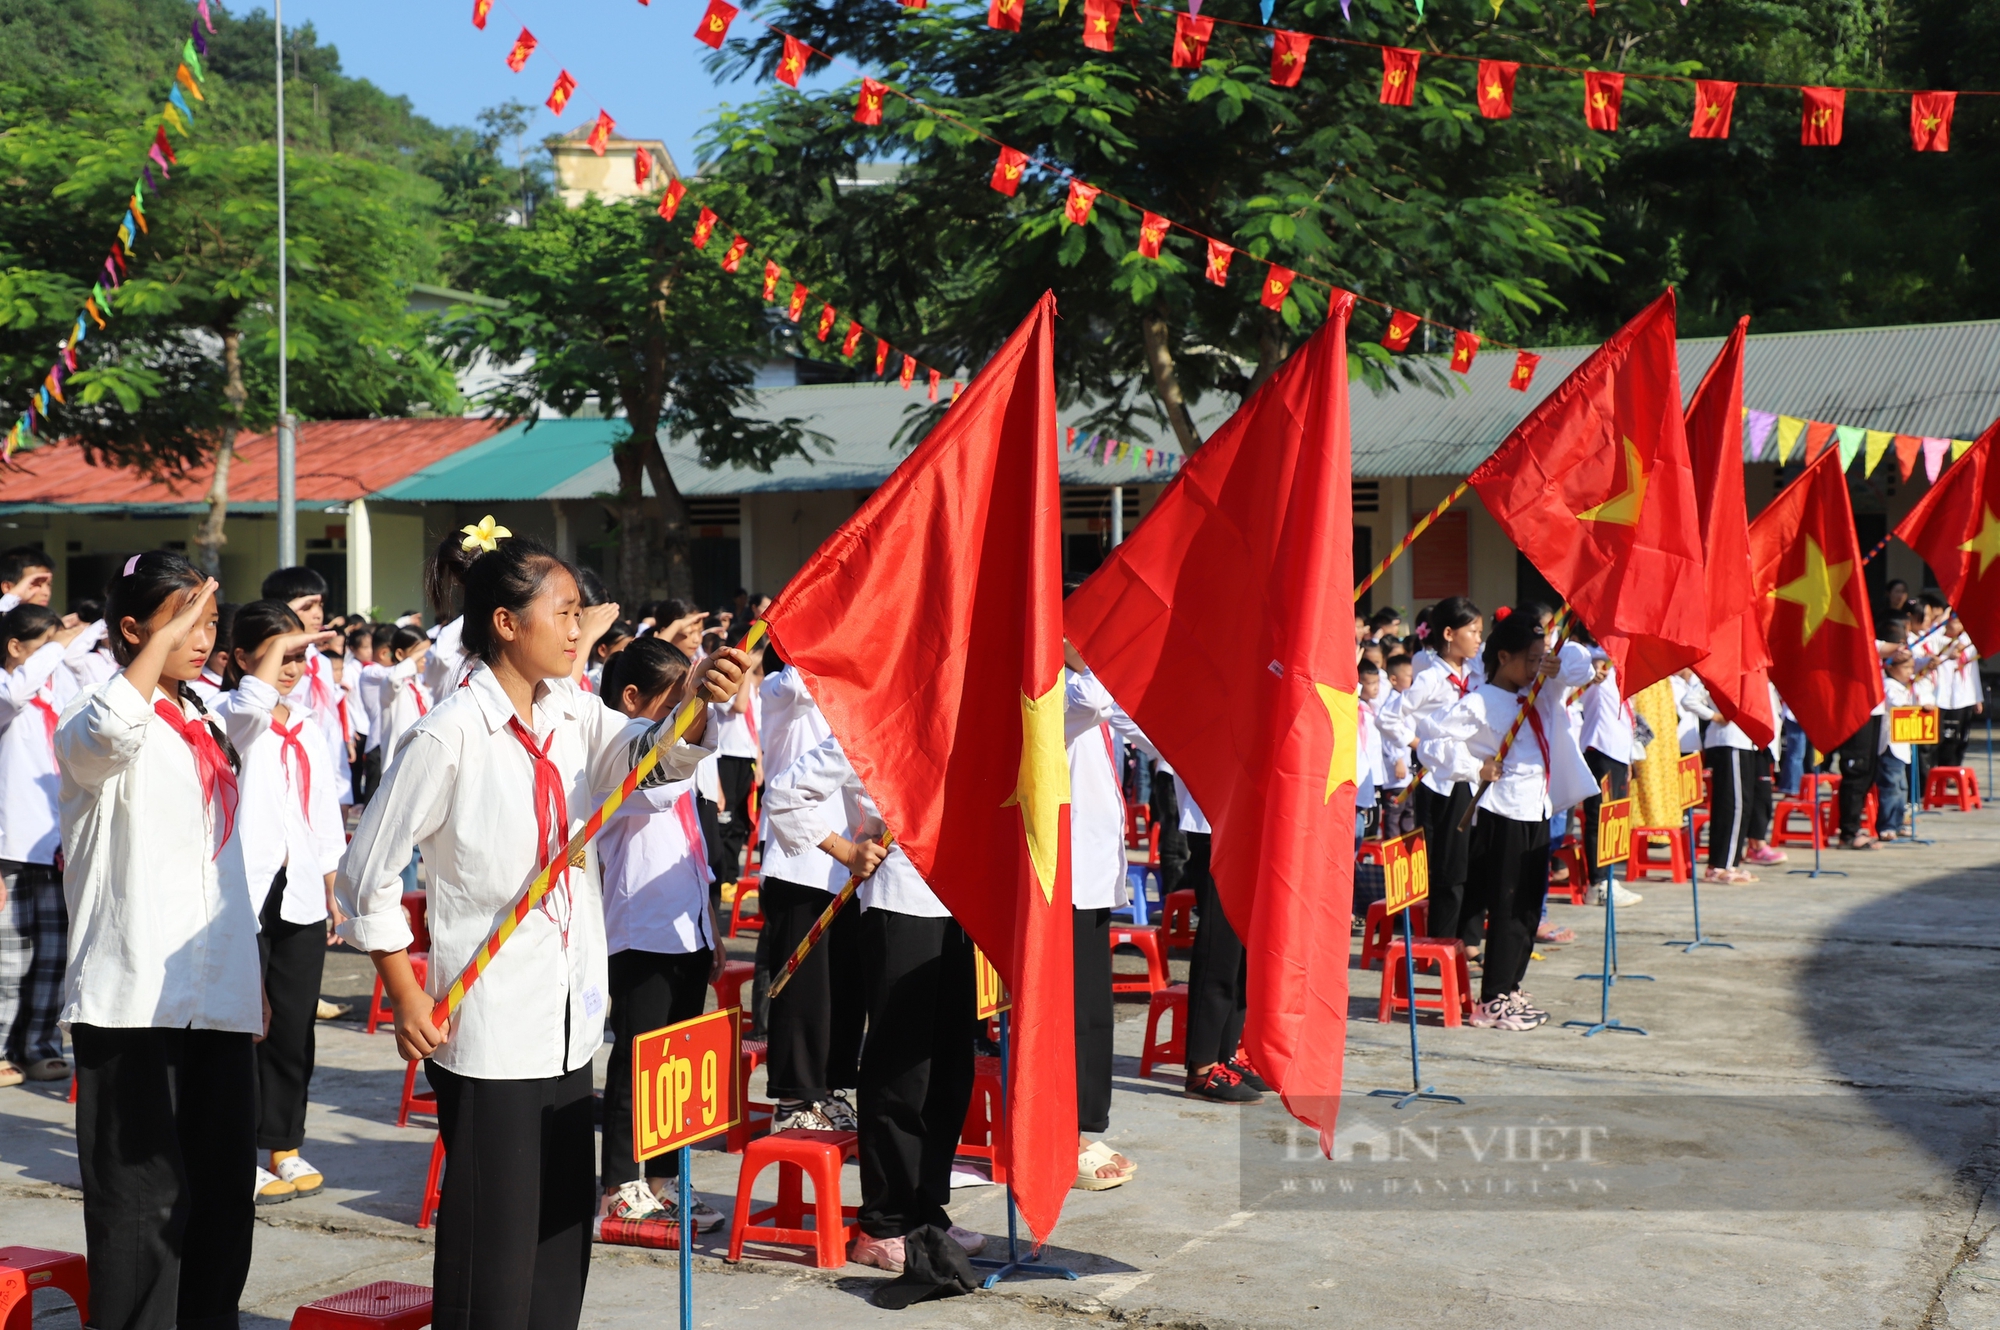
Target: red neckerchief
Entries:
(1464, 685)
(346, 730)
(551, 816)
(1541, 737)
(318, 692)
(40, 702)
(218, 781)
(292, 757)
(423, 707)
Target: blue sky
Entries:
(640, 62)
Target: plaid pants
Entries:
(34, 950)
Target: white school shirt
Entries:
(1436, 687)
(352, 672)
(88, 658)
(1371, 774)
(1096, 799)
(1895, 693)
(1957, 677)
(404, 701)
(736, 732)
(1606, 720)
(161, 933)
(819, 795)
(446, 663)
(30, 812)
(288, 818)
(791, 725)
(461, 789)
(207, 686)
(1691, 707)
(317, 693)
(1529, 789)
(656, 874)
(373, 685)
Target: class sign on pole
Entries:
(1614, 828)
(1691, 774)
(684, 1082)
(989, 993)
(1913, 725)
(1406, 873)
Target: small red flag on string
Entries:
(1152, 230)
(909, 372)
(771, 274)
(1399, 75)
(881, 356)
(1277, 282)
(868, 106)
(560, 94)
(797, 306)
(1818, 435)
(524, 46)
(1288, 58)
(1496, 88)
(1523, 375)
(1602, 93)
(1464, 346)
(1401, 325)
(1100, 24)
(704, 226)
(915, 4)
(1082, 198)
(826, 318)
(1930, 120)
(1714, 103)
(932, 385)
(1820, 121)
(1004, 15)
(1191, 34)
(642, 167)
(160, 142)
(792, 62)
(1007, 171)
(600, 133)
(733, 256)
(715, 23)
(670, 202)
(852, 342)
(1219, 255)
(480, 9)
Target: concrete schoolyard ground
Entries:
(1805, 1137)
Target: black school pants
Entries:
(1455, 909)
(166, 1136)
(1092, 959)
(1218, 974)
(1757, 825)
(513, 1230)
(813, 1031)
(1732, 785)
(916, 1068)
(649, 991)
(1857, 774)
(1954, 730)
(1621, 785)
(1510, 871)
(294, 959)
(1166, 810)
(734, 774)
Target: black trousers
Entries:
(294, 959)
(1454, 911)
(1510, 872)
(1954, 730)
(711, 844)
(814, 1028)
(1732, 783)
(1857, 774)
(649, 990)
(166, 1136)
(1757, 824)
(1621, 785)
(1166, 811)
(916, 1068)
(367, 773)
(513, 1230)
(1092, 960)
(1396, 818)
(1218, 976)
(734, 774)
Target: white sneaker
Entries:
(633, 1200)
(1621, 896)
(1518, 1003)
(802, 1117)
(1499, 1014)
(969, 1242)
(839, 1112)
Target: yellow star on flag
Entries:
(1623, 508)
(1043, 787)
(1987, 543)
(1819, 591)
(1493, 92)
(1344, 711)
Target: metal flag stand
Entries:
(1418, 1090)
(1700, 939)
(1014, 1264)
(1406, 879)
(1610, 812)
(1818, 835)
(683, 1212)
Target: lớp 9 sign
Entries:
(684, 1082)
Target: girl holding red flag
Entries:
(489, 786)
(1446, 670)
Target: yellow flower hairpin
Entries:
(487, 535)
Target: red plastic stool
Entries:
(1829, 818)
(1135, 826)
(1642, 861)
(738, 920)
(1179, 910)
(380, 1013)
(1453, 996)
(1699, 820)
(736, 975)
(1576, 890)
(415, 907)
(1380, 928)
(1952, 787)
(383, 1305)
(433, 1185)
(985, 1134)
(756, 1114)
(1783, 833)
(1153, 846)
(1173, 998)
(415, 1100)
(29, 1268)
(798, 1154)
(1147, 939)
(1369, 853)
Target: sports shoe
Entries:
(1620, 896)
(1518, 1003)
(1499, 1014)
(969, 1242)
(331, 1011)
(882, 1253)
(1246, 1073)
(632, 1200)
(1721, 875)
(1222, 1085)
(1765, 854)
(803, 1117)
(305, 1179)
(706, 1217)
(839, 1112)
(272, 1189)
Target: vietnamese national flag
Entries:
(1714, 104)
(1806, 562)
(929, 628)
(1595, 488)
(1735, 667)
(1956, 528)
(1261, 724)
(1496, 88)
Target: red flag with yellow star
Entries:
(1805, 562)
(1260, 724)
(1596, 489)
(929, 628)
(1956, 528)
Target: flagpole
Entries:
(1405, 543)
(288, 469)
